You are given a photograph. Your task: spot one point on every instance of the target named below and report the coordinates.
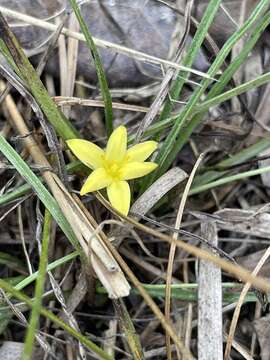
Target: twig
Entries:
(209, 303)
(240, 303)
(23, 240)
(173, 249)
(69, 101)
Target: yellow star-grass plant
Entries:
(113, 166)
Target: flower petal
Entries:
(87, 152)
(117, 145)
(97, 180)
(136, 169)
(142, 151)
(119, 196)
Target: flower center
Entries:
(113, 169)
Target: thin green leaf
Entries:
(29, 279)
(99, 68)
(174, 140)
(189, 59)
(226, 179)
(188, 292)
(49, 315)
(36, 308)
(43, 194)
(73, 167)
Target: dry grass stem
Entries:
(240, 303)
(173, 249)
(71, 101)
(210, 338)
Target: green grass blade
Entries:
(238, 90)
(127, 327)
(99, 68)
(173, 142)
(71, 168)
(227, 179)
(29, 279)
(195, 46)
(34, 319)
(49, 315)
(247, 153)
(219, 86)
(43, 194)
(188, 292)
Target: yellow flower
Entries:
(114, 166)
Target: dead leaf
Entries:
(157, 190)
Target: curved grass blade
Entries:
(189, 59)
(34, 319)
(99, 68)
(44, 195)
(49, 315)
(174, 140)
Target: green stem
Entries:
(99, 68)
(49, 315)
(174, 140)
(228, 179)
(37, 304)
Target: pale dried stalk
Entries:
(110, 338)
(210, 337)
(102, 260)
(69, 101)
(21, 230)
(62, 58)
(172, 252)
(72, 56)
